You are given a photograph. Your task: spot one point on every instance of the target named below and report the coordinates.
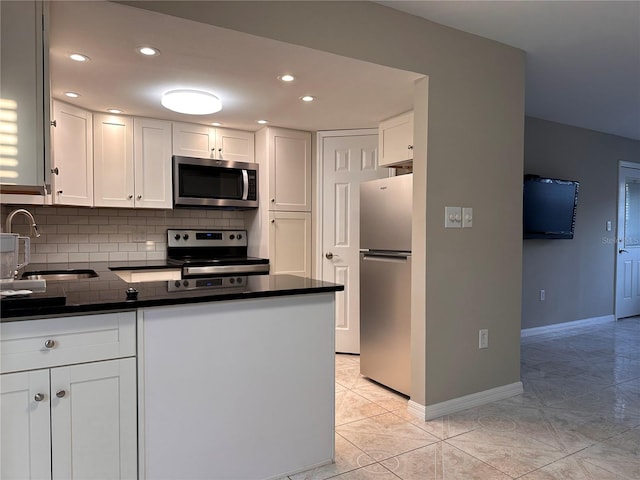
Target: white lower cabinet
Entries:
(290, 243)
(69, 421)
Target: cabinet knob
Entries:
(410, 147)
(273, 200)
(130, 197)
(273, 220)
(50, 343)
(60, 393)
(53, 123)
(55, 171)
(59, 192)
(39, 397)
(139, 197)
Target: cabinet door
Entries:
(22, 93)
(113, 161)
(290, 243)
(72, 156)
(190, 140)
(152, 160)
(395, 140)
(25, 445)
(290, 170)
(234, 145)
(93, 420)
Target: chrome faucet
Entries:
(34, 228)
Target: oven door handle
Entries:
(245, 184)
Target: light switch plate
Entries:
(452, 217)
(467, 217)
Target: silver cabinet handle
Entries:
(273, 200)
(130, 197)
(622, 251)
(60, 393)
(329, 255)
(139, 197)
(39, 397)
(55, 171)
(273, 221)
(410, 147)
(50, 343)
(53, 123)
(59, 192)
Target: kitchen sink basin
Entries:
(53, 275)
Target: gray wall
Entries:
(472, 157)
(578, 275)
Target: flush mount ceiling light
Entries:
(114, 110)
(78, 57)
(72, 94)
(287, 77)
(191, 102)
(216, 124)
(149, 51)
(307, 98)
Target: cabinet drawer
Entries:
(51, 342)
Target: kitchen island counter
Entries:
(108, 292)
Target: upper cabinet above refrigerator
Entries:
(395, 140)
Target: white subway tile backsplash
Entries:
(79, 234)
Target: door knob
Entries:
(60, 393)
(39, 397)
(329, 255)
(622, 251)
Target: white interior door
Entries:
(628, 254)
(348, 158)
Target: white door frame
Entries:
(619, 231)
(319, 182)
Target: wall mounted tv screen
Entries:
(549, 207)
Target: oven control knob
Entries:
(185, 283)
(239, 280)
(239, 236)
(232, 281)
(232, 236)
(177, 284)
(185, 236)
(177, 237)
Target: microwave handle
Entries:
(245, 185)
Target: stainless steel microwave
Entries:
(210, 183)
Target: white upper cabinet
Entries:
(200, 141)
(395, 140)
(132, 162)
(72, 160)
(289, 170)
(152, 163)
(113, 161)
(23, 93)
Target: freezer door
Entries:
(385, 320)
(385, 213)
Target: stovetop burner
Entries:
(212, 252)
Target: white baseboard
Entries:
(557, 327)
(455, 405)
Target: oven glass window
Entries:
(210, 182)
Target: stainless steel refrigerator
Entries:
(385, 281)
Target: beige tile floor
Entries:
(578, 418)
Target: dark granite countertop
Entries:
(108, 292)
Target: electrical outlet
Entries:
(483, 338)
(542, 295)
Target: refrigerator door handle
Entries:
(393, 258)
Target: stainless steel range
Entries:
(208, 253)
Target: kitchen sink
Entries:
(53, 275)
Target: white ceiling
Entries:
(582, 57)
(241, 69)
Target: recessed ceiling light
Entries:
(191, 102)
(114, 110)
(78, 57)
(262, 122)
(72, 94)
(287, 77)
(149, 51)
(307, 98)
(216, 124)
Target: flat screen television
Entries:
(549, 207)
